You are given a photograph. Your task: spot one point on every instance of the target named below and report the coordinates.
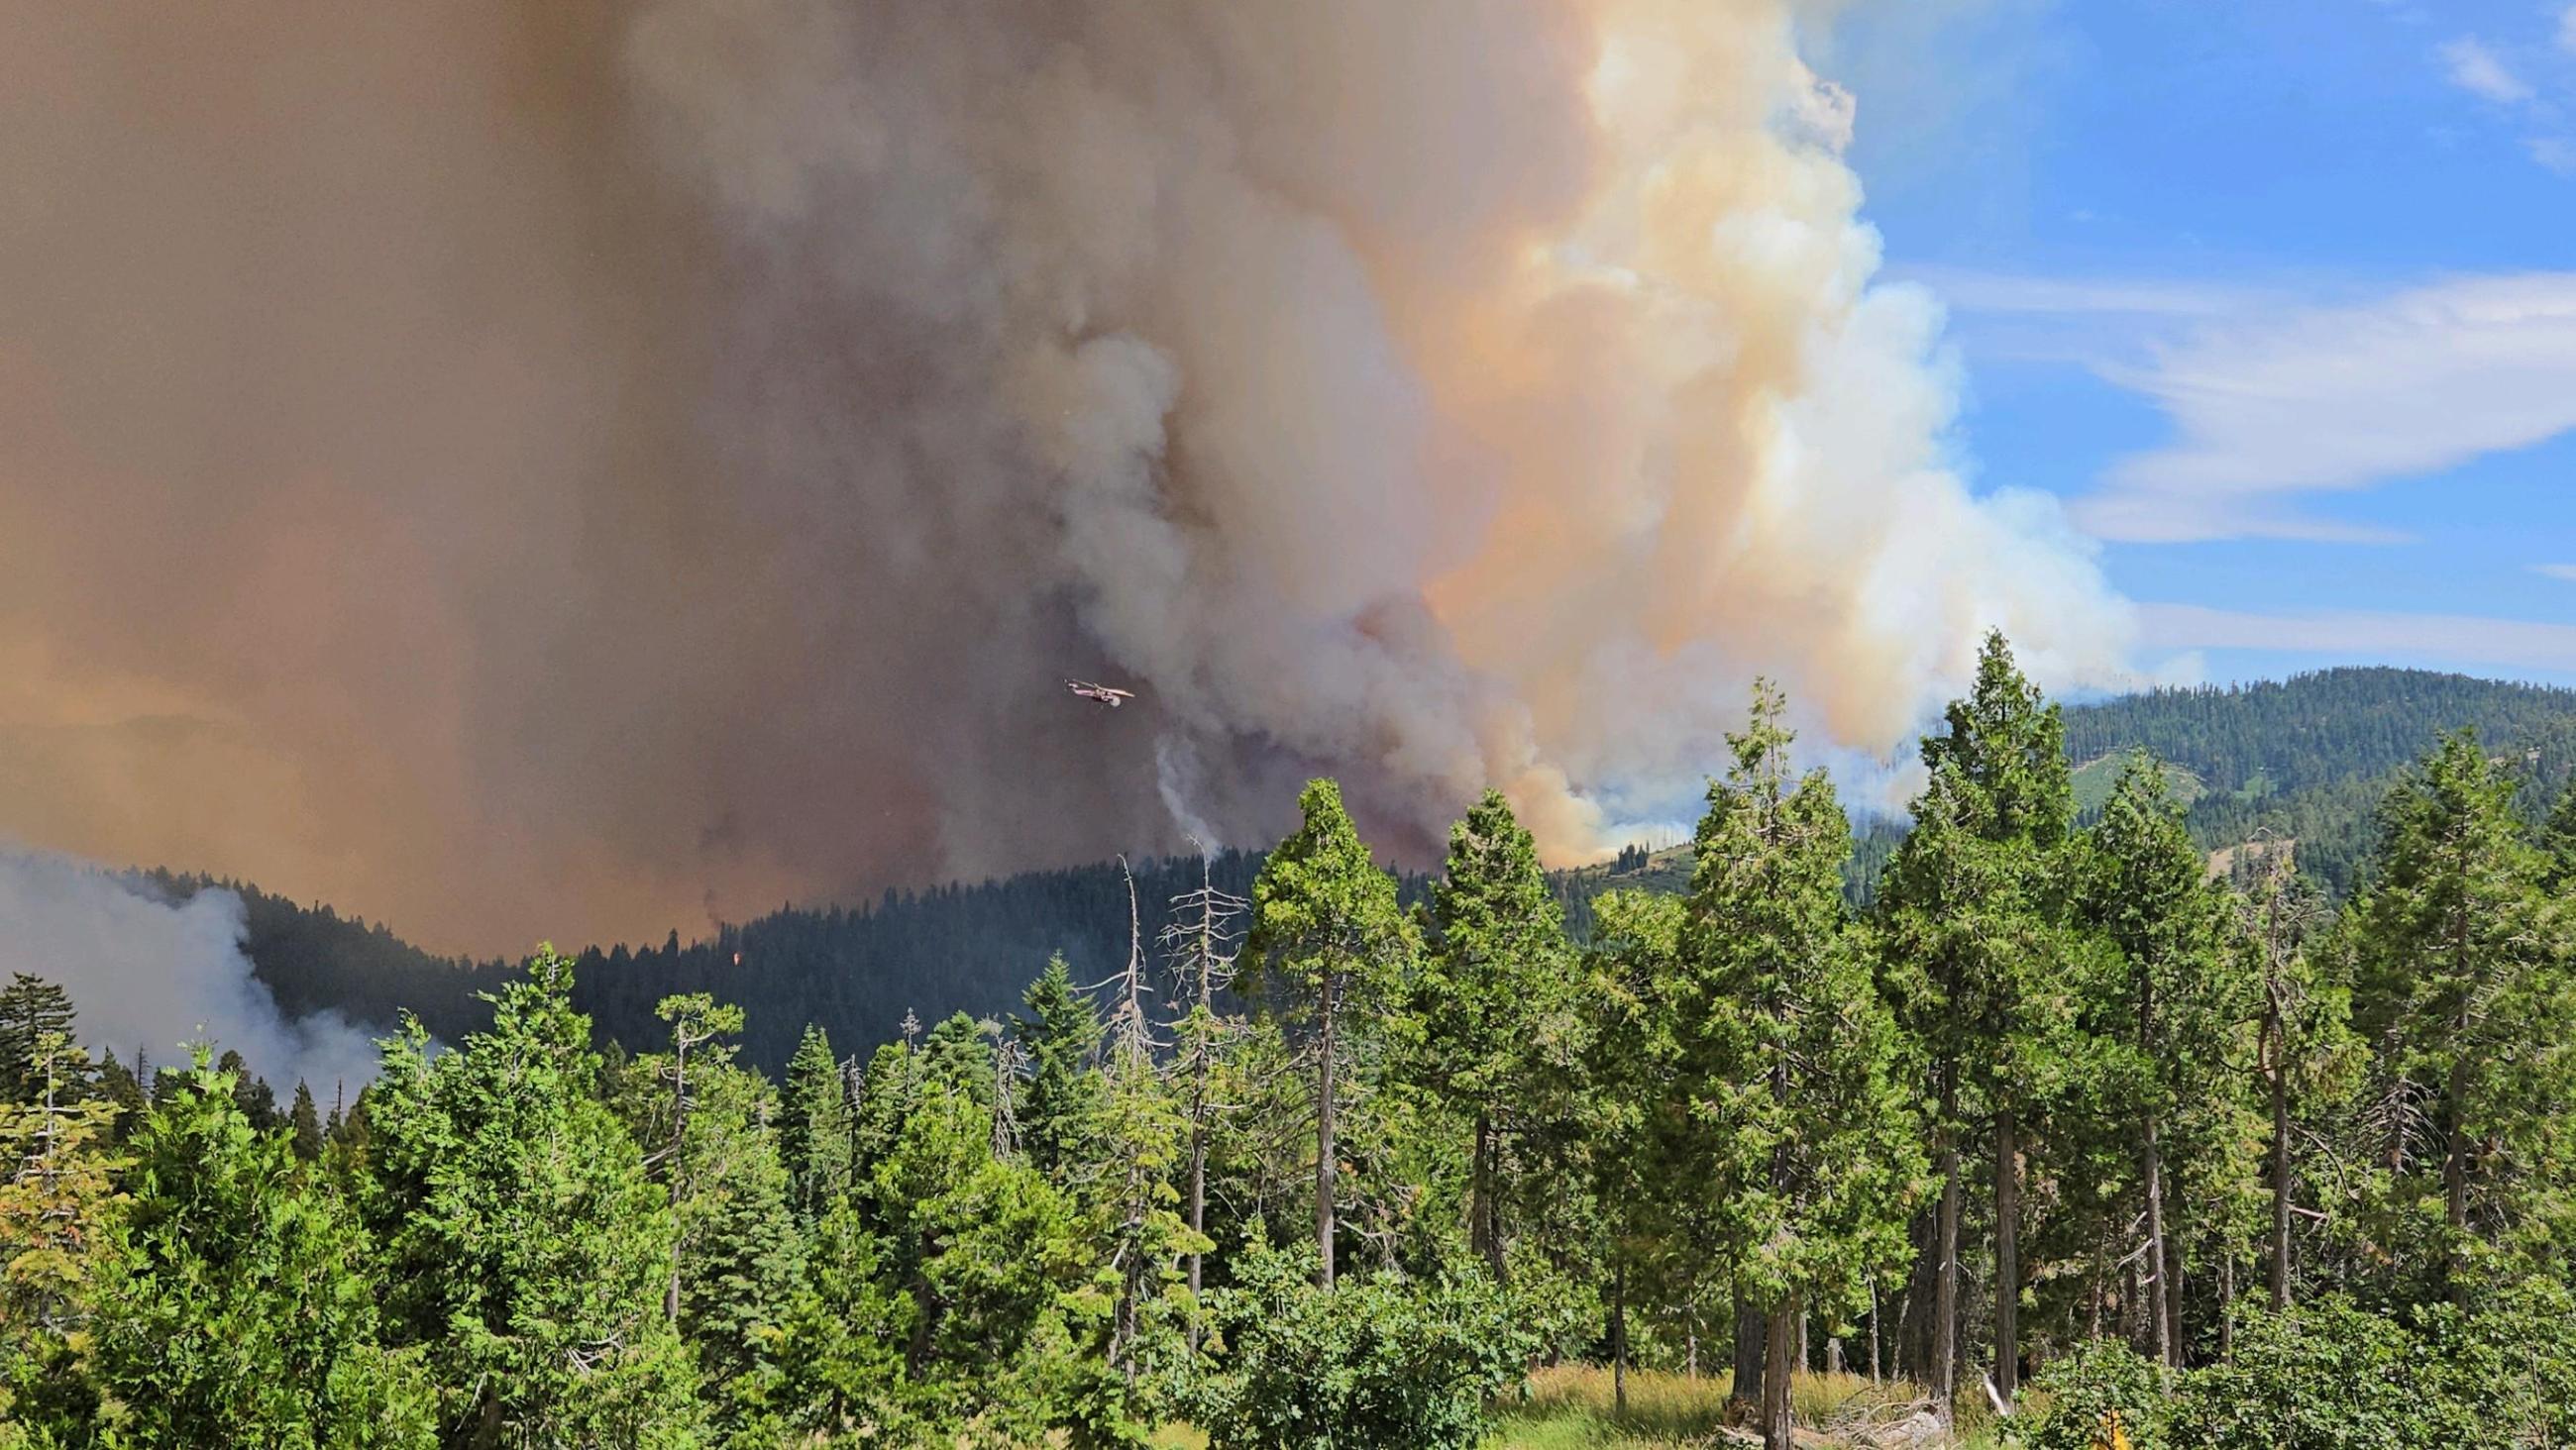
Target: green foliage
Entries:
(1715, 1098)
(304, 1124)
(2103, 1385)
(1371, 1364)
(1324, 913)
(1488, 1015)
(31, 1010)
(2327, 1376)
(737, 1257)
(56, 1203)
(2461, 978)
(524, 1248)
(236, 1305)
(1058, 1111)
(1796, 1126)
(815, 1131)
(1326, 923)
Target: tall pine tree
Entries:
(1326, 920)
(1490, 1006)
(1789, 1057)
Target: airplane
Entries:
(1100, 693)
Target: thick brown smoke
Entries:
(568, 469)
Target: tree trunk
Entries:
(2007, 1256)
(679, 1147)
(1324, 1145)
(2280, 1268)
(1779, 1362)
(1874, 1375)
(2455, 1169)
(1198, 1193)
(2159, 1285)
(2171, 1276)
(1619, 1340)
(1488, 1228)
(1945, 1301)
(2226, 1309)
(1744, 1395)
(2455, 1155)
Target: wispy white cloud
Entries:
(2476, 68)
(2502, 77)
(2556, 571)
(2308, 401)
(1970, 290)
(2446, 639)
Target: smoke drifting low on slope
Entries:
(148, 976)
(571, 470)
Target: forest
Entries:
(2304, 760)
(2059, 1140)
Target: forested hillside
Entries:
(859, 972)
(2059, 1125)
(312, 958)
(2306, 759)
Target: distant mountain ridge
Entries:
(2307, 757)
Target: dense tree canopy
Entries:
(2217, 1158)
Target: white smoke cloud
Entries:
(154, 975)
(1462, 414)
(565, 471)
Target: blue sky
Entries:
(2279, 296)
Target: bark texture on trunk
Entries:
(1744, 1394)
(1945, 1301)
(1325, 1147)
(2160, 1294)
(2280, 1266)
(1780, 1361)
(1619, 1341)
(2007, 1255)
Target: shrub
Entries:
(1374, 1364)
(2102, 1383)
(2322, 1376)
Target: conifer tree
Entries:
(1140, 1131)
(119, 1085)
(2463, 979)
(814, 1128)
(1788, 1056)
(1627, 1096)
(736, 1252)
(1490, 1004)
(307, 1135)
(1059, 1040)
(1973, 907)
(1326, 919)
(236, 1305)
(1201, 943)
(55, 1208)
(30, 1009)
(257, 1102)
(524, 1245)
(2170, 1009)
(2303, 1040)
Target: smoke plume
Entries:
(562, 469)
(149, 976)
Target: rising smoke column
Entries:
(571, 473)
(152, 976)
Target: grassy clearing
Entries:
(1569, 1408)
